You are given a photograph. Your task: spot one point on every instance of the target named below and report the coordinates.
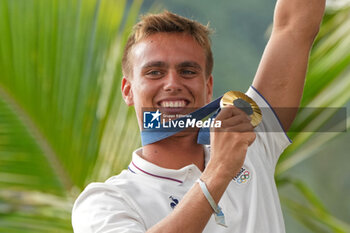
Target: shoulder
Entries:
(113, 189)
(271, 138)
(102, 201)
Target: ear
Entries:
(127, 92)
(209, 88)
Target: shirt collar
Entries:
(141, 166)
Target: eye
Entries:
(154, 74)
(187, 73)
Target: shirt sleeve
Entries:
(270, 131)
(102, 208)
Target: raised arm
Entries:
(281, 73)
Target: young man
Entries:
(167, 65)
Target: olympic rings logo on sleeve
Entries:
(242, 177)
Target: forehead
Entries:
(171, 48)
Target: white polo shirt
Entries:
(144, 194)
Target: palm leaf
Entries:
(311, 213)
(326, 90)
(60, 106)
(326, 93)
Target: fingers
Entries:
(230, 111)
(247, 127)
(234, 120)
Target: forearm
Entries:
(194, 210)
(299, 16)
(281, 73)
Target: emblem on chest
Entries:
(243, 176)
(173, 202)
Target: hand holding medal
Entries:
(244, 103)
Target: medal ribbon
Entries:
(149, 136)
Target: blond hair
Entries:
(168, 22)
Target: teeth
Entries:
(173, 104)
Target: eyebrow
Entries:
(189, 64)
(154, 64)
(181, 65)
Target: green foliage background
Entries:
(63, 123)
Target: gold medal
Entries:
(243, 102)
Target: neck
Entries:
(175, 152)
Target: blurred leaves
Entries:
(326, 88)
(311, 212)
(62, 123)
(326, 91)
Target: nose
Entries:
(173, 82)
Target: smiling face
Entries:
(168, 73)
